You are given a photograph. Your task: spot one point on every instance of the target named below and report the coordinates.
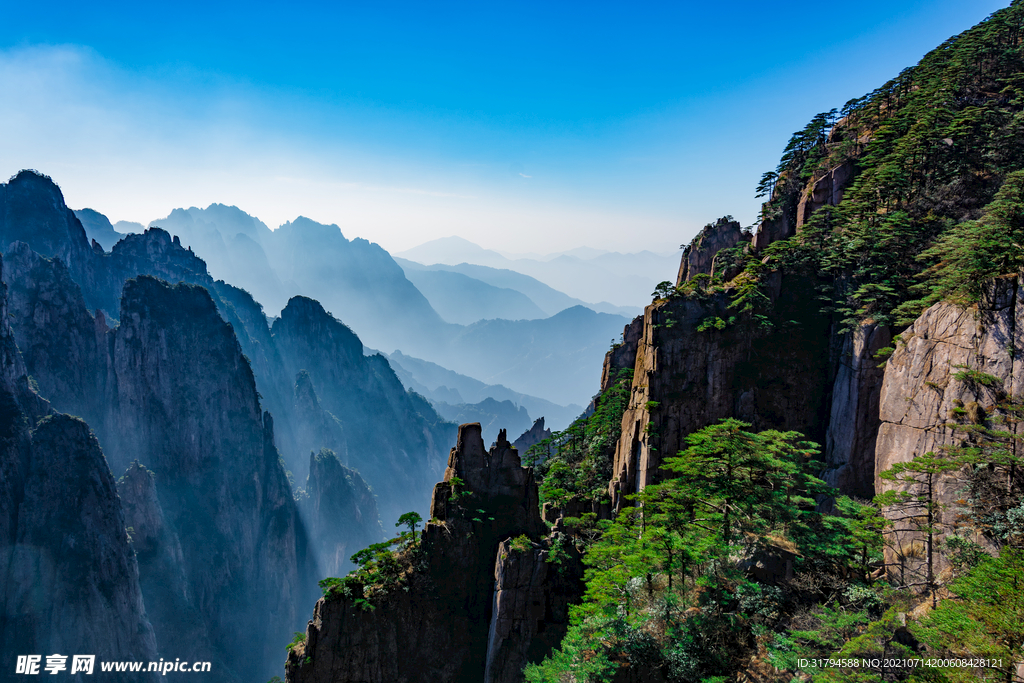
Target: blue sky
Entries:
(521, 126)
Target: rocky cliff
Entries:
(334, 493)
(622, 355)
(699, 256)
(398, 461)
(446, 622)
(532, 436)
(69, 582)
(953, 372)
(530, 610)
(853, 420)
(186, 406)
(689, 374)
(64, 346)
(32, 211)
(72, 584)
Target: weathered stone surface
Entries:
(622, 356)
(437, 630)
(920, 388)
(853, 423)
(699, 255)
(532, 436)
(825, 191)
(72, 584)
(185, 405)
(341, 513)
(774, 378)
(495, 476)
(531, 609)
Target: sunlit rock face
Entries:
(928, 388)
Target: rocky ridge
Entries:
(452, 626)
(69, 581)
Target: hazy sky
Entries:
(529, 126)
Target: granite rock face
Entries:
(532, 436)
(853, 421)
(824, 191)
(921, 393)
(185, 405)
(438, 630)
(341, 513)
(699, 255)
(531, 609)
(685, 379)
(623, 355)
(363, 392)
(64, 346)
(68, 578)
(72, 585)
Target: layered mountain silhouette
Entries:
(473, 320)
(622, 279)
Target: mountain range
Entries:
(436, 313)
(622, 279)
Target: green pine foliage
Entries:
(936, 198)
(576, 463)
(667, 587)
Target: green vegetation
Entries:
(666, 584)
(576, 464)
(380, 568)
(728, 567)
(966, 374)
(521, 544)
(937, 189)
(410, 519)
(298, 639)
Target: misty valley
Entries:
(240, 454)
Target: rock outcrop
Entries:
(72, 584)
(64, 346)
(162, 570)
(699, 256)
(531, 608)
(437, 629)
(185, 404)
(313, 427)
(622, 355)
(364, 393)
(98, 228)
(684, 379)
(824, 191)
(932, 378)
(532, 436)
(32, 211)
(340, 511)
(68, 578)
(853, 420)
